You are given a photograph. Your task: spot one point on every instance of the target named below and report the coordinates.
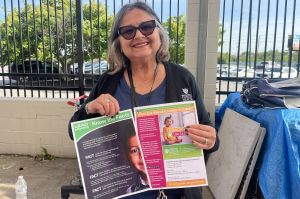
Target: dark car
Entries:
(34, 66)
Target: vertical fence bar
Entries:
(266, 39)
(106, 24)
(80, 45)
(257, 38)
(248, 47)
(177, 30)
(275, 34)
(43, 41)
(57, 41)
(14, 39)
(29, 48)
(230, 40)
(22, 51)
(7, 43)
(221, 54)
(92, 42)
(161, 11)
(36, 42)
(50, 45)
(239, 42)
(2, 63)
(72, 50)
(283, 39)
(290, 52)
(99, 36)
(65, 47)
(170, 23)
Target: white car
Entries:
(4, 80)
(275, 73)
(87, 67)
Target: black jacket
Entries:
(180, 86)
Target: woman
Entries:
(140, 75)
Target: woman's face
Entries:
(135, 154)
(140, 47)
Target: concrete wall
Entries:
(202, 45)
(29, 124)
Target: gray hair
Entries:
(116, 58)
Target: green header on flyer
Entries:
(176, 106)
(181, 151)
(81, 128)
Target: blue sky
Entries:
(262, 23)
(157, 6)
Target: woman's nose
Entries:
(138, 34)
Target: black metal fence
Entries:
(58, 48)
(257, 39)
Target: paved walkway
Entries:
(44, 179)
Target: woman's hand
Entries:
(105, 104)
(203, 136)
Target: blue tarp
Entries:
(279, 159)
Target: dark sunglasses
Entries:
(146, 28)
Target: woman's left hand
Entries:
(203, 136)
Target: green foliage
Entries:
(220, 33)
(259, 57)
(44, 155)
(171, 26)
(48, 32)
(51, 30)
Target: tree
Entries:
(220, 34)
(48, 31)
(176, 42)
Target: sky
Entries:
(271, 38)
(114, 6)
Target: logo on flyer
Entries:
(186, 96)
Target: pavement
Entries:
(44, 178)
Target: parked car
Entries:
(95, 67)
(5, 80)
(240, 72)
(269, 64)
(91, 67)
(224, 70)
(276, 72)
(34, 66)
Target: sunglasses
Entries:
(146, 28)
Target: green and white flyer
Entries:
(109, 156)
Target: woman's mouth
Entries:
(139, 45)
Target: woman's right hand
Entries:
(105, 104)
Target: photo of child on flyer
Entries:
(134, 156)
(173, 129)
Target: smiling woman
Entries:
(140, 75)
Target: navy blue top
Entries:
(158, 96)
